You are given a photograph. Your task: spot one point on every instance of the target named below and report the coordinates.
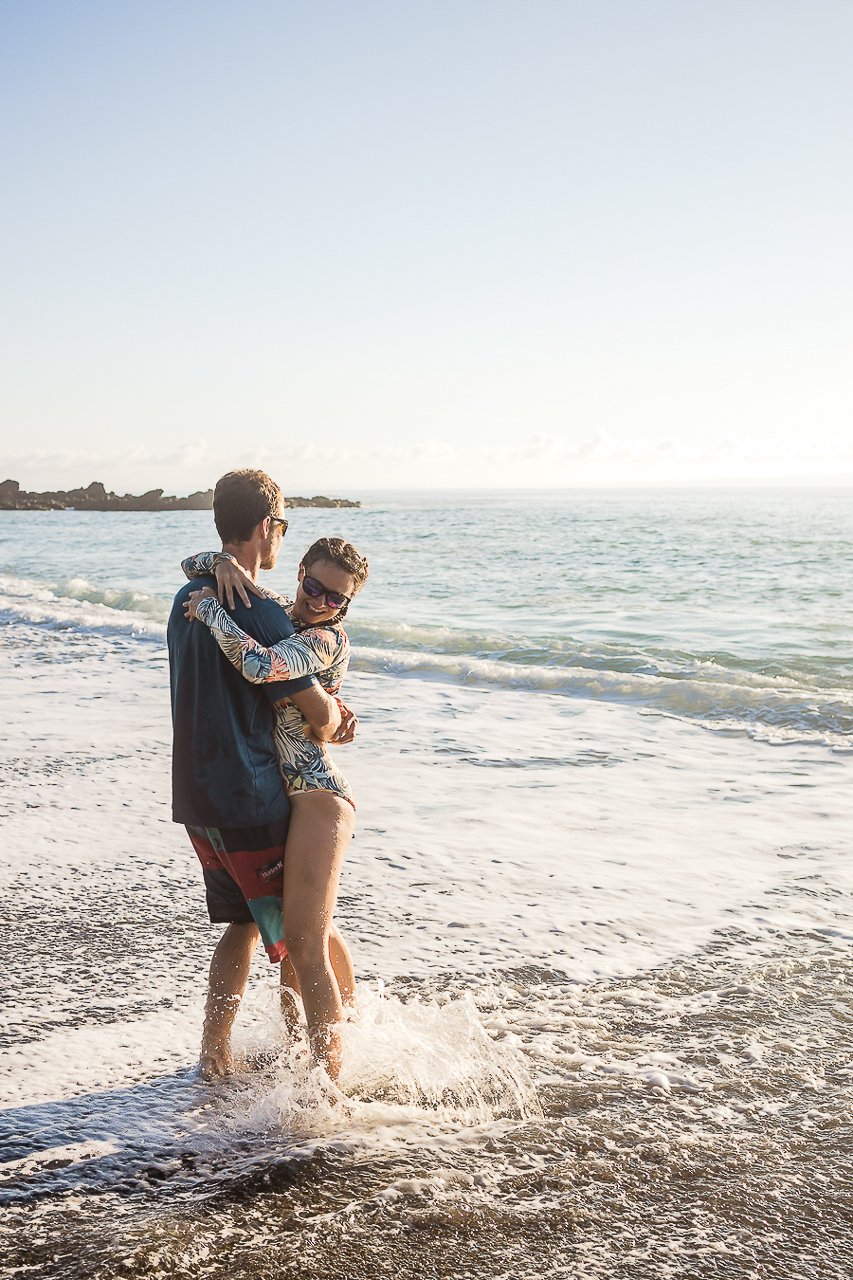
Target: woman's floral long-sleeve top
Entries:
(322, 652)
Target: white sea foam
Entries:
(769, 708)
(76, 605)
(494, 832)
(764, 708)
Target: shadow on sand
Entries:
(173, 1132)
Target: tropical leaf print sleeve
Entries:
(307, 654)
(204, 562)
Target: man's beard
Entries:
(268, 559)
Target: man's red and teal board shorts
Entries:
(243, 871)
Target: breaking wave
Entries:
(718, 692)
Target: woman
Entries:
(322, 806)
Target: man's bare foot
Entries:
(214, 1064)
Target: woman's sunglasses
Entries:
(334, 599)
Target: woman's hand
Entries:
(206, 593)
(230, 577)
(345, 731)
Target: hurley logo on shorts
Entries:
(271, 870)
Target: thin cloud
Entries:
(539, 460)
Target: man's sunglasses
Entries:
(334, 599)
(283, 523)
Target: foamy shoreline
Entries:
(582, 934)
(495, 830)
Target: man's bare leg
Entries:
(229, 971)
(341, 962)
(289, 985)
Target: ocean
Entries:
(600, 902)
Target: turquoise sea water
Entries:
(734, 609)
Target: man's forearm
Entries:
(321, 711)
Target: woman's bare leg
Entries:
(342, 968)
(321, 826)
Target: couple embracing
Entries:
(268, 813)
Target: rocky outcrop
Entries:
(320, 501)
(96, 498)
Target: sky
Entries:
(459, 243)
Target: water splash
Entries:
(420, 1061)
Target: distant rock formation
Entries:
(96, 498)
(317, 501)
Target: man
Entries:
(226, 786)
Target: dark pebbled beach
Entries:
(95, 498)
